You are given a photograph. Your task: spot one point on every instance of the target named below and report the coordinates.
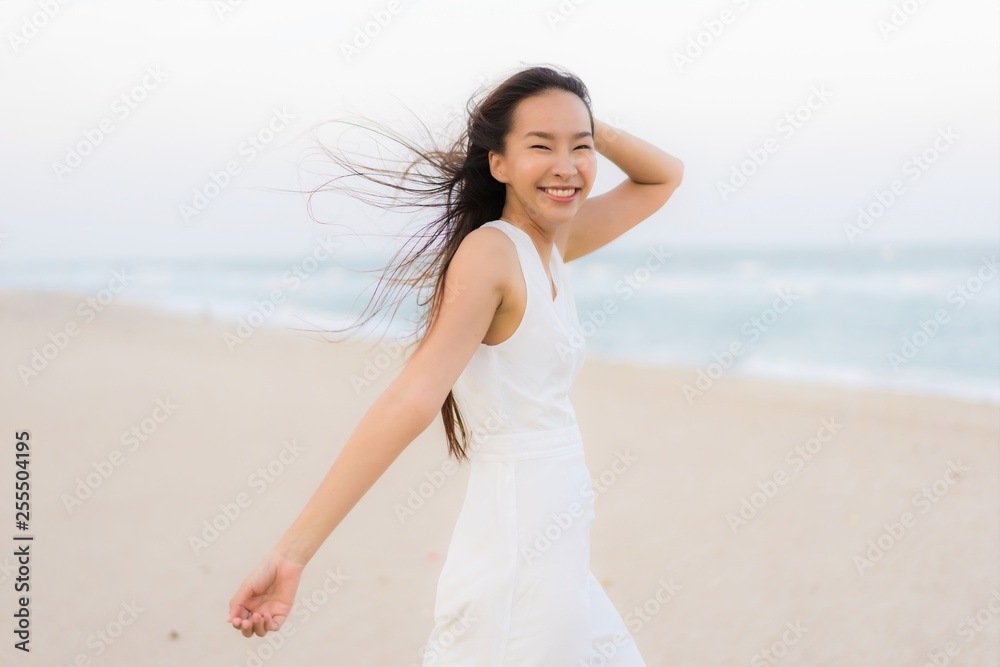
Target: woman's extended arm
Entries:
(266, 597)
(474, 284)
(393, 421)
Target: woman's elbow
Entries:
(416, 402)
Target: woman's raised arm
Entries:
(653, 175)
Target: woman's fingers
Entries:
(248, 626)
(237, 612)
(254, 623)
(258, 625)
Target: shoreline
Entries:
(286, 325)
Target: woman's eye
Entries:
(584, 146)
(540, 146)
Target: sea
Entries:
(912, 318)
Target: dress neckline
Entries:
(557, 283)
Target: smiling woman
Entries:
(559, 163)
(502, 348)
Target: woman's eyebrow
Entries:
(550, 137)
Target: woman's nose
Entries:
(564, 165)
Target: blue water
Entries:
(844, 314)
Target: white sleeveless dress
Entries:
(516, 589)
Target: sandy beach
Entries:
(761, 523)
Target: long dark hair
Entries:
(455, 181)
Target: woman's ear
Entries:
(496, 165)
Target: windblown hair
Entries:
(456, 183)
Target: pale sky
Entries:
(222, 74)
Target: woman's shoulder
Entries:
(490, 234)
(485, 248)
(483, 265)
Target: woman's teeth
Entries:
(560, 193)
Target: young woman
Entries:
(500, 354)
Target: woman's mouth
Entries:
(560, 194)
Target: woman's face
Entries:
(549, 162)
